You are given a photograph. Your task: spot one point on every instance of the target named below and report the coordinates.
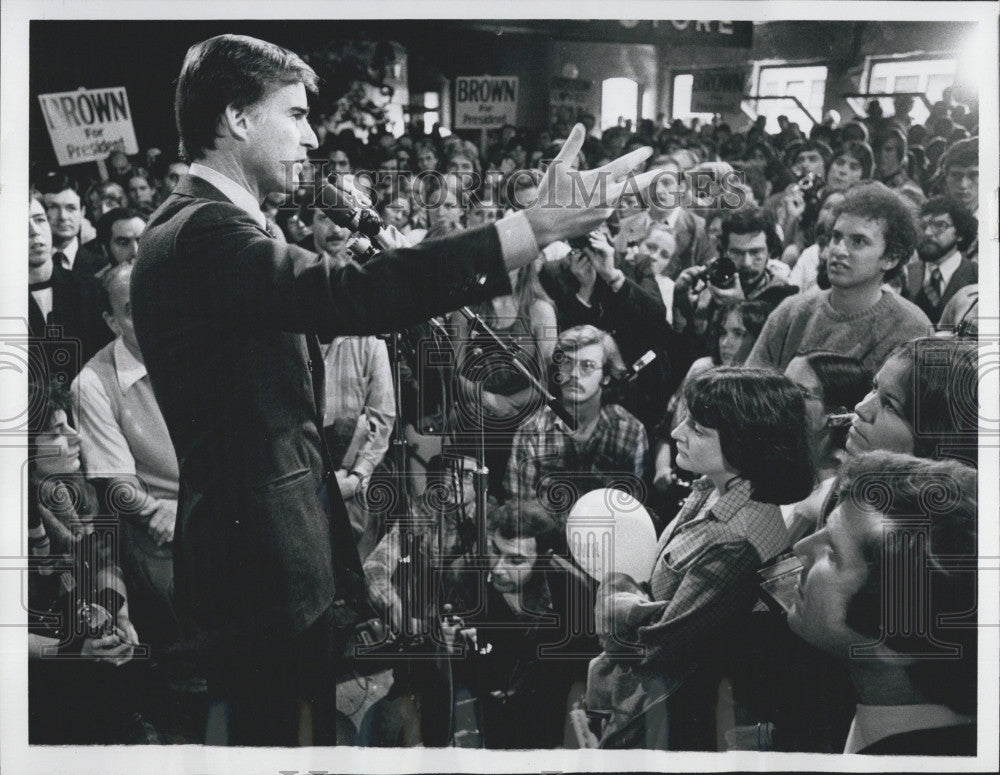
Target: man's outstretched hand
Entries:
(572, 202)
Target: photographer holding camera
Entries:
(749, 241)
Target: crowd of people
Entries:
(773, 348)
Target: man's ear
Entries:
(112, 323)
(234, 121)
(605, 379)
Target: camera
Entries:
(49, 359)
(579, 243)
(721, 272)
(810, 184)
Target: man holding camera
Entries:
(749, 241)
(229, 322)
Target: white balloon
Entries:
(609, 530)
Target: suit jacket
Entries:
(90, 259)
(76, 309)
(229, 322)
(967, 273)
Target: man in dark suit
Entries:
(64, 208)
(229, 321)
(60, 299)
(886, 587)
(948, 229)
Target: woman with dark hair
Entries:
(746, 435)
(851, 162)
(733, 330)
(923, 401)
(829, 382)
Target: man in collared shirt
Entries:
(910, 647)
(609, 445)
(128, 452)
(948, 229)
(64, 208)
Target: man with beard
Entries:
(608, 446)
(948, 228)
(749, 240)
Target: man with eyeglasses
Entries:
(947, 228)
(557, 465)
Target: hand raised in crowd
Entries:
(583, 270)
(562, 210)
(602, 255)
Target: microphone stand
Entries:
(398, 436)
(482, 472)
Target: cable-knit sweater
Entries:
(807, 322)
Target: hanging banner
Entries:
(485, 101)
(88, 124)
(717, 91)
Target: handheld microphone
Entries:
(371, 236)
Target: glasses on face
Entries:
(567, 365)
(935, 225)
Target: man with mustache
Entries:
(609, 445)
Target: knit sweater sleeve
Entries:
(768, 348)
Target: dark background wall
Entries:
(145, 57)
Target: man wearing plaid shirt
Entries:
(555, 465)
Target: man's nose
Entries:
(309, 139)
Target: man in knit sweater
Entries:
(872, 239)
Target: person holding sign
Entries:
(229, 321)
(745, 434)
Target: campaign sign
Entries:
(88, 124)
(717, 91)
(485, 101)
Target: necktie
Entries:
(62, 259)
(935, 287)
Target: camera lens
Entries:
(721, 272)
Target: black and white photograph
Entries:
(578, 389)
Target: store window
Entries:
(619, 101)
(929, 77)
(681, 102)
(796, 92)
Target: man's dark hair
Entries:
(110, 218)
(57, 182)
(875, 201)
(891, 133)
(907, 491)
(761, 420)
(810, 145)
(942, 399)
(527, 519)
(751, 221)
(845, 381)
(966, 224)
(861, 152)
(229, 70)
(964, 153)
